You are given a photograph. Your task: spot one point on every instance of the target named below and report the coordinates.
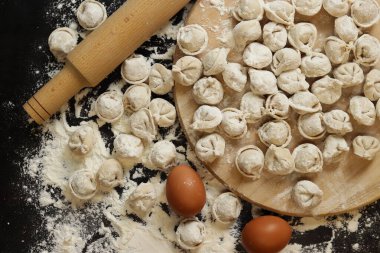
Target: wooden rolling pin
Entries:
(101, 52)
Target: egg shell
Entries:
(266, 234)
(185, 191)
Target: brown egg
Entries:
(266, 234)
(185, 191)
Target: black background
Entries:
(24, 27)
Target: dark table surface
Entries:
(25, 27)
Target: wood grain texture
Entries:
(349, 185)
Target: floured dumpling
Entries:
(350, 74)
(163, 154)
(336, 8)
(249, 161)
(135, 69)
(328, 90)
(235, 76)
(337, 50)
(208, 90)
(192, 39)
(275, 36)
(233, 123)
(136, 97)
(262, 82)
(91, 14)
(311, 125)
(210, 147)
(346, 29)
(163, 112)
(257, 55)
(190, 233)
(82, 141)
(128, 147)
(187, 70)
(277, 132)
(378, 109)
(109, 106)
(253, 107)
(308, 158)
(307, 7)
(372, 85)
(365, 13)
(61, 42)
(142, 125)
(249, 10)
(305, 102)
(292, 81)
(367, 50)
(246, 32)
(206, 118)
(110, 175)
(215, 61)
(285, 59)
(277, 106)
(315, 65)
(337, 122)
(143, 198)
(306, 194)
(280, 12)
(334, 149)
(83, 184)
(279, 161)
(363, 110)
(303, 36)
(160, 79)
(366, 146)
(226, 208)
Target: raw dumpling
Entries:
(275, 36)
(262, 82)
(110, 175)
(143, 198)
(378, 109)
(334, 149)
(365, 13)
(245, 32)
(233, 123)
(206, 118)
(83, 184)
(215, 61)
(249, 161)
(109, 106)
(305, 102)
(235, 76)
(315, 65)
(337, 122)
(248, 10)
(160, 79)
(363, 110)
(372, 85)
(142, 125)
(136, 97)
(163, 154)
(210, 147)
(277, 132)
(311, 125)
(346, 29)
(226, 208)
(277, 106)
(163, 112)
(91, 14)
(337, 50)
(192, 39)
(328, 90)
(307, 158)
(366, 146)
(252, 106)
(306, 194)
(190, 233)
(336, 8)
(257, 55)
(82, 140)
(62, 41)
(285, 59)
(280, 12)
(350, 74)
(208, 90)
(279, 161)
(302, 36)
(292, 81)
(136, 69)
(187, 70)
(367, 50)
(128, 147)
(307, 7)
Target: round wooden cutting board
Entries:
(349, 185)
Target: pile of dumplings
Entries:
(285, 73)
